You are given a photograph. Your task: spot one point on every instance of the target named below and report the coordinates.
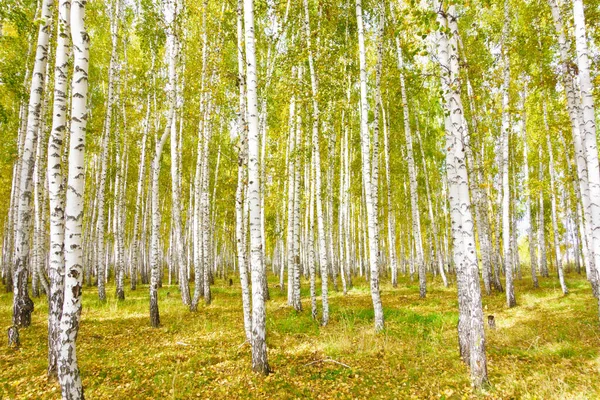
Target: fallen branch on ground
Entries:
(328, 360)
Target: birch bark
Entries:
(471, 330)
(366, 175)
(588, 125)
(56, 185)
(68, 369)
(506, 237)
(559, 266)
(541, 224)
(138, 200)
(241, 235)
(259, 344)
(101, 250)
(391, 214)
(323, 260)
(528, 195)
(412, 175)
(22, 304)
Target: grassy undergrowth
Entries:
(547, 347)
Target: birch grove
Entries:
(224, 166)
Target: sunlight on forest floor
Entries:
(547, 347)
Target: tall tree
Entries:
(68, 369)
(588, 125)
(259, 334)
(101, 251)
(506, 236)
(22, 304)
(470, 325)
(55, 184)
(365, 139)
(323, 261)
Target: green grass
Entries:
(545, 348)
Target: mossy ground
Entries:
(545, 348)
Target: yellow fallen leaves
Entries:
(546, 348)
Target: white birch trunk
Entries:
(506, 237)
(528, 195)
(155, 256)
(294, 283)
(68, 370)
(366, 175)
(470, 329)
(171, 15)
(588, 125)
(259, 334)
(559, 266)
(135, 248)
(290, 199)
(412, 175)
(241, 237)
(204, 207)
(101, 249)
(541, 225)
(323, 260)
(198, 260)
(434, 227)
(391, 214)
(311, 243)
(22, 304)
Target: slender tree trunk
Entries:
(204, 206)
(541, 225)
(588, 124)
(155, 259)
(471, 331)
(528, 195)
(259, 334)
(56, 186)
(391, 214)
(294, 283)
(171, 16)
(434, 227)
(412, 175)
(100, 222)
(311, 242)
(68, 370)
(290, 199)
(198, 179)
(582, 188)
(506, 236)
(323, 261)
(241, 236)
(135, 241)
(366, 175)
(117, 222)
(22, 304)
(559, 266)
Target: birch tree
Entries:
(470, 326)
(113, 68)
(56, 186)
(412, 175)
(323, 261)
(559, 266)
(22, 304)
(68, 369)
(528, 196)
(365, 139)
(259, 334)
(588, 127)
(506, 236)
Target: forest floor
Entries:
(545, 348)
